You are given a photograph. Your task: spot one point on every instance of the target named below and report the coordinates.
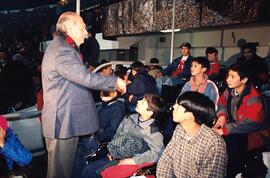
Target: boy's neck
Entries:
(144, 117)
(240, 89)
(191, 128)
(199, 78)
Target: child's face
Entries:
(212, 57)
(247, 53)
(179, 114)
(185, 51)
(234, 81)
(142, 107)
(197, 69)
(107, 71)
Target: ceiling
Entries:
(24, 4)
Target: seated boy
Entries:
(141, 83)
(178, 70)
(199, 80)
(110, 114)
(195, 149)
(240, 117)
(138, 129)
(11, 149)
(212, 55)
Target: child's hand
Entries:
(130, 98)
(221, 122)
(110, 157)
(219, 131)
(2, 137)
(127, 161)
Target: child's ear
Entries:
(244, 80)
(190, 116)
(150, 113)
(204, 69)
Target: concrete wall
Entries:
(225, 39)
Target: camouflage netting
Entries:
(141, 16)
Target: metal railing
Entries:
(26, 124)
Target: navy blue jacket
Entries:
(13, 150)
(110, 114)
(172, 67)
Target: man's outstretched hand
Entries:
(121, 85)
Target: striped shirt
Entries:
(203, 155)
(207, 87)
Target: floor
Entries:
(38, 167)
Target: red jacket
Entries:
(122, 171)
(214, 68)
(250, 116)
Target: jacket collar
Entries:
(201, 87)
(245, 92)
(142, 124)
(68, 39)
(183, 135)
(145, 124)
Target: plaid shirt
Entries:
(203, 155)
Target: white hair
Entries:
(65, 21)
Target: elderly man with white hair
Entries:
(69, 110)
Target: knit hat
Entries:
(3, 123)
(125, 145)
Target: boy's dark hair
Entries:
(186, 44)
(118, 66)
(104, 61)
(203, 61)
(199, 105)
(242, 69)
(211, 50)
(252, 46)
(121, 72)
(154, 60)
(155, 104)
(137, 66)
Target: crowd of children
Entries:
(209, 127)
(213, 133)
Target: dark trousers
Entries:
(87, 145)
(90, 170)
(236, 145)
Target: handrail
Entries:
(124, 63)
(24, 114)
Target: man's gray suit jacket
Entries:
(69, 109)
